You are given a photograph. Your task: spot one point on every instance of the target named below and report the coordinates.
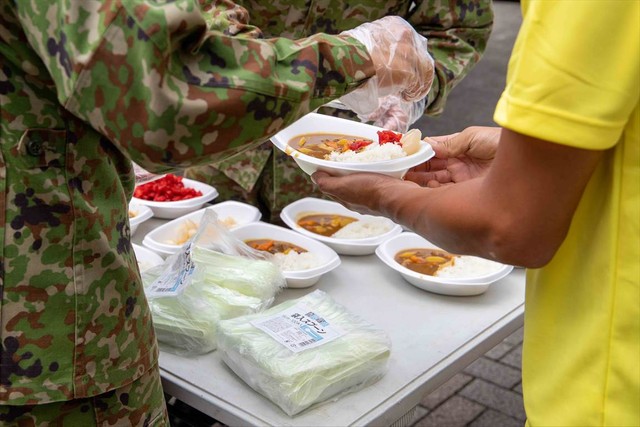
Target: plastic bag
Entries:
(214, 277)
(304, 352)
(396, 114)
(143, 176)
(392, 113)
(402, 63)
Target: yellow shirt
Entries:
(574, 79)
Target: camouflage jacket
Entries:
(457, 34)
(86, 86)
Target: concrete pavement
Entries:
(488, 393)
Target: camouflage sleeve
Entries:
(457, 32)
(178, 83)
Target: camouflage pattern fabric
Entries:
(140, 403)
(85, 87)
(457, 34)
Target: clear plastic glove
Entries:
(396, 114)
(403, 65)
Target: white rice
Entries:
(469, 266)
(293, 261)
(371, 153)
(364, 228)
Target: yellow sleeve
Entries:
(574, 74)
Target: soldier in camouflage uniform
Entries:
(457, 32)
(86, 87)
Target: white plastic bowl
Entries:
(320, 123)
(171, 210)
(142, 213)
(365, 246)
(464, 285)
(146, 258)
(328, 258)
(241, 213)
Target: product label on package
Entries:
(173, 282)
(299, 328)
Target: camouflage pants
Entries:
(279, 183)
(140, 403)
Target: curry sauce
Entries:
(424, 260)
(324, 224)
(321, 145)
(274, 246)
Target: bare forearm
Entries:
(453, 217)
(519, 213)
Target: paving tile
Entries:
(518, 388)
(499, 351)
(494, 397)
(455, 412)
(498, 373)
(514, 357)
(491, 418)
(445, 391)
(515, 338)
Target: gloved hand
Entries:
(396, 114)
(403, 65)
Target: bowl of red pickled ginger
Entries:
(172, 196)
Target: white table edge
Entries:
(397, 405)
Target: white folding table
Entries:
(433, 337)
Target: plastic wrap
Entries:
(330, 351)
(214, 277)
(393, 112)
